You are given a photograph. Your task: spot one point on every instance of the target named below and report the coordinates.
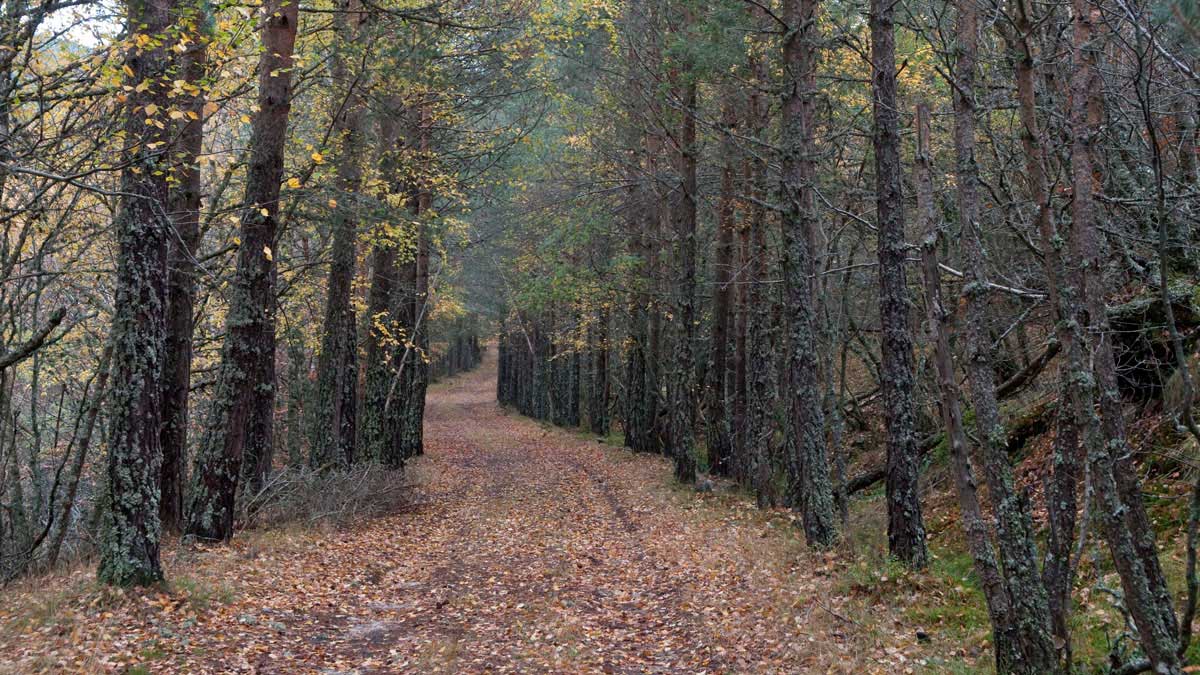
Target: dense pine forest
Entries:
(599, 336)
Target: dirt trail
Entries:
(527, 549)
(528, 555)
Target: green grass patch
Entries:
(615, 437)
(152, 653)
(201, 594)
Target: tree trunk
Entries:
(739, 458)
(810, 488)
(241, 420)
(683, 403)
(298, 396)
(184, 208)
(655, 437)
(1061, 485)
(378, 431)
(906, 529)
(759, 427)
(415, 414)
(599, 395)
(1118, 490)
(995, 592)
(636, 417)
(99, 396)
(1028, 647)
(131, 529)
(337, 371)
(716, 402)
(399, 403)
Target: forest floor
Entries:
(520, 548)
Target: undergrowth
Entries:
(312, 496)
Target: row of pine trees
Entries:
(366, 399)
(719, 327)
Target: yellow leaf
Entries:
(293, 183)
(267, 252)
(332, 203)
(176, 114)
(265, 213)
(318, 158)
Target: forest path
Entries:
(539, 550)
(523, 549)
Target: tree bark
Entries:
(1118, 490)
(337, 370)
(414, 413)
(1027, 646)
(683, 403)
(654, 404)
(378, 429)
(906, 529)
(983, 555)
(759, 427)
(241, 419)
(739, 458)
(716, 403)
(184, 207)
(599, 395)
(810, 488)
(131, 530)
(634, 413)
(1062, 484)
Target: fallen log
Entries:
(1006, 389)
(1142, 354)
(1032, 422)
